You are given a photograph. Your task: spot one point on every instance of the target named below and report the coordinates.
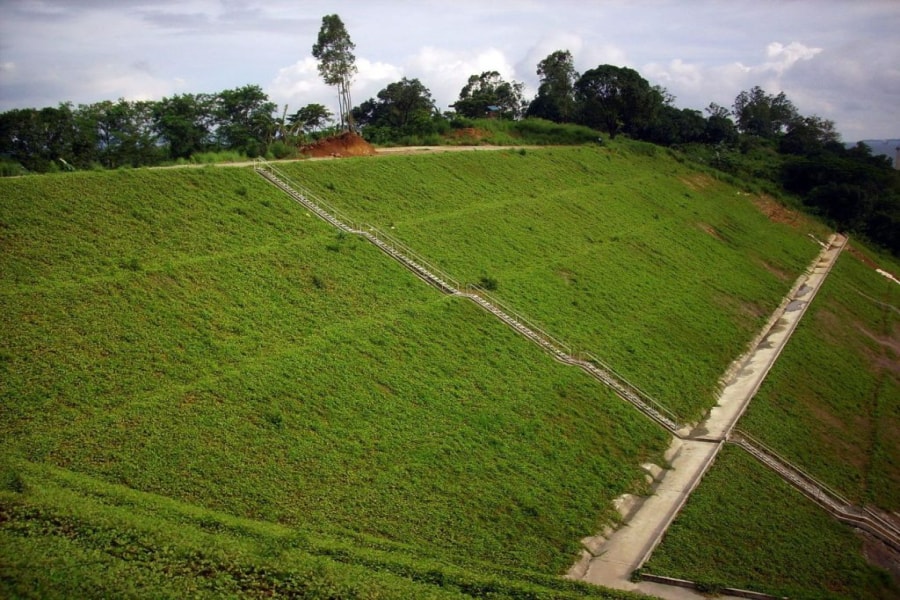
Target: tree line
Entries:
(804, 155)
(145, 133)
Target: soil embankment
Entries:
(346, 144)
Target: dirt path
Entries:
(378, 152)
(610, 562)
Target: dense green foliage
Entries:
(403, 109)
(488, 94)
(192, 333)
(746, 528)
(831, 403)
(555, 100)
(131, 134)
(616, 99)
(621, 251)
(851, 188)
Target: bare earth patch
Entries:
(468, 133)
(882, 555)
(779, 273)
(710, 230)
(697, 181)
(346, 144)
(891, 349)
(777, 212)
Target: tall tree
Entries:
(762, 114)
(245, 119)
(675, 126)
(309, 119)
(400, 105)
(490, 90)
(808, 135)
(123, 131)
(39, 138)
(617, 99)
(719, 126)
(555, 100)
(337, 64)
(185, 123)
(403, 109)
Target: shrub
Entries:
(487, 283)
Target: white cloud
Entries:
(603, 54)
(445, 72)
(375, 73)
(783, 57)
(300, 84)
(695, 85)
(574, 43)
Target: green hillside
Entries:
(205, 390)
(662, 272)
(194, 335)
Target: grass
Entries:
(746, 528)
(204, 390)
(831, 403)
(193, 335)
(67, 535)
(620, 251)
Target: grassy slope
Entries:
(622, 251)
(832, 402)
(746, 528)
(144, 310)
(191, 333)
(66, 535)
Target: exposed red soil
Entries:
(710, 230)
(777, 212)
(346, 144)
(880, 554)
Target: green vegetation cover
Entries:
(206, 390)
(621, 251)
(193, 334)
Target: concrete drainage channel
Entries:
(612, 561)
(610, 558)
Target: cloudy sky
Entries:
(839, 59)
